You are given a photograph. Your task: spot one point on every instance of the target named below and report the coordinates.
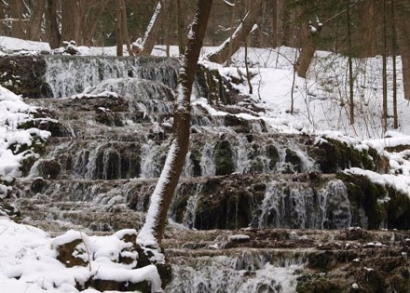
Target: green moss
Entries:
(273, 155)
(195, 157)
(293, 158)
(23, 74)
(256, 166)
(210, 85)
(223, 158)
(380, 203)
(180, 201)
(317, 284)
(225, 204)
(334, 155)
(364, 194)
(26, 164)
(398, 210)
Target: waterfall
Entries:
(151, 155)
(249, 272)
(207, 162)
(190, 211)
(334, 205)
(299, 206)
(70, 75)
(240, 155)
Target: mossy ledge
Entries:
(333, 155)
(383, 206)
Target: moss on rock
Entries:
(334, 155)
(223, 158)
(317, 284)
(24, 75)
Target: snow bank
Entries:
(28, 261)
(13, 112)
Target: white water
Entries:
(299, 207)
(222, 274)
(68, 75)
(190, 211)
(334, 205)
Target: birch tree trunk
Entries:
(232, 44)
(151, 34)
(153, 229)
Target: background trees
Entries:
(354, 28)
(279, 22)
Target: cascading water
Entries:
(68, 75)
(190, 211)
(334, 206)
(151, 153)
(251, 271)
(237, 173)
(301, 207)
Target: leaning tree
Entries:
(151, 234)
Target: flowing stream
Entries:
(237, 174)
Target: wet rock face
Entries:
(24, 75)
(333, 156)
(369, 208)
(223, 159)
(48, 169)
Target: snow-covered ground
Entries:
(320, 106)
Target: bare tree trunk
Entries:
(36, 19)
(125, 35)
(71, 21)
(367, 27)
(181, 25)
(349, 57)
(152, 232)
(275, 30)
(91, 20)
(384, 69)
(17, 27)
(403, 36)
(394, 46)
(285, 18)
(228, 61)
(152, 31)
(230, 46)
(118, 29)
(53, 33)
(308, 47)
(248, 74)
